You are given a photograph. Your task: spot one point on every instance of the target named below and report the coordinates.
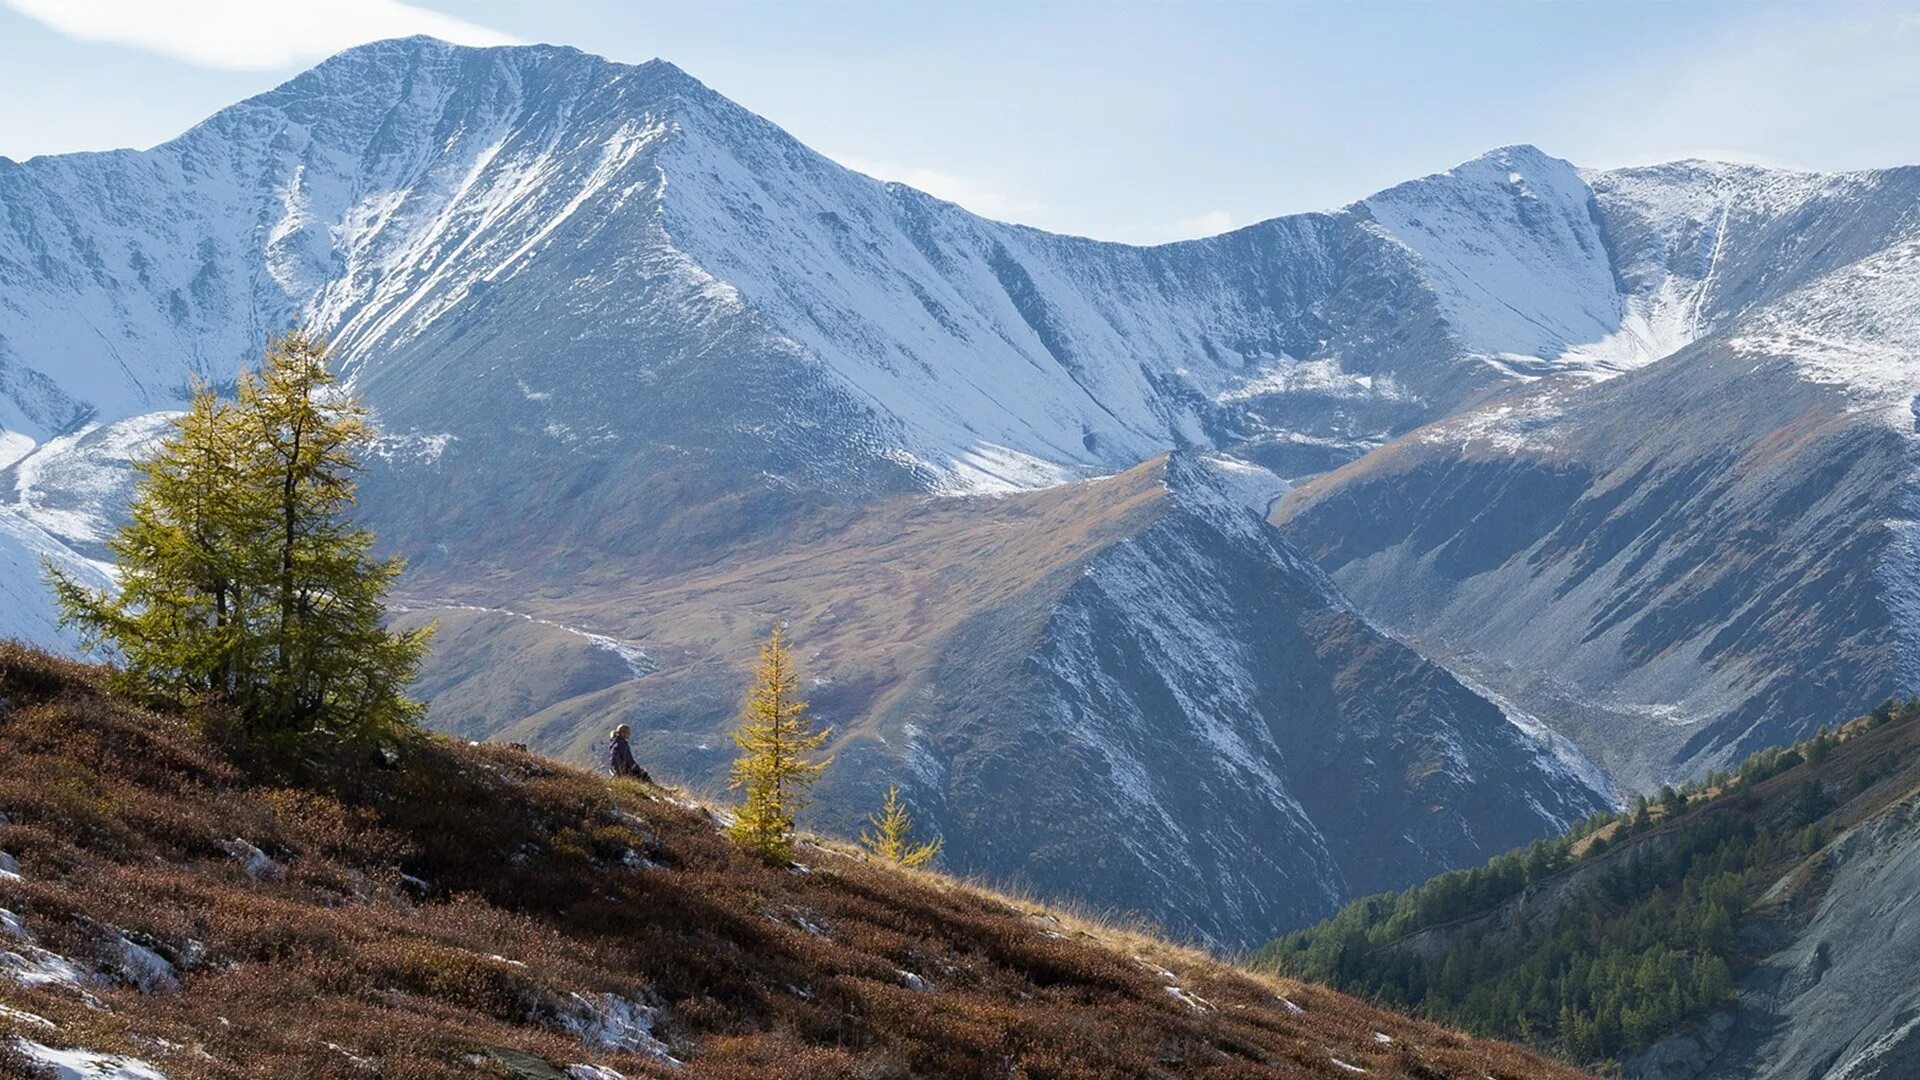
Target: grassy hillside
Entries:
(174, 906)
(1633, 926)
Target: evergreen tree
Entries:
(178, 621)
(892, 827)
(241, 578)
(333, 661)
(776, 764)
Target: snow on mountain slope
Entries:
(58, 503)
(27, 609)
(1699, 243)
(1704, 555)
(1513, 246)
(1544, 268)
(399, 192)
(1857, 328)
(74, 486)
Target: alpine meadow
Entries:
(513, 564)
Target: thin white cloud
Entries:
(248, 35)
(1827, 84)
(981, 197)
(1210, 223)
(1002, 204)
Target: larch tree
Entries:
(891, 832)
(778, 761)
(334, 662)
(242, 576)
(179, 620)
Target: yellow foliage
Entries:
(889, 837)
(776, 764)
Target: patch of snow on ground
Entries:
(1509, 427)
(612, 1022)
(31, 965)
(34, 966)
(85, 1065)
(144, 968)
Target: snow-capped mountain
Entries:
(652, 374)
(407, 191)
(1712, 553)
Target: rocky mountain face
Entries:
(1709, 554)
(1203, 699)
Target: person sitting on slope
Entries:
(620, 756)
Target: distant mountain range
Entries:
(1585, 467)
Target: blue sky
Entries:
(1128, 121)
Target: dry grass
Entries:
(435, 919)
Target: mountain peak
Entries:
(420, 72)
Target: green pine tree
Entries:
(242, 578)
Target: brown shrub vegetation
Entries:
(435, 916)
